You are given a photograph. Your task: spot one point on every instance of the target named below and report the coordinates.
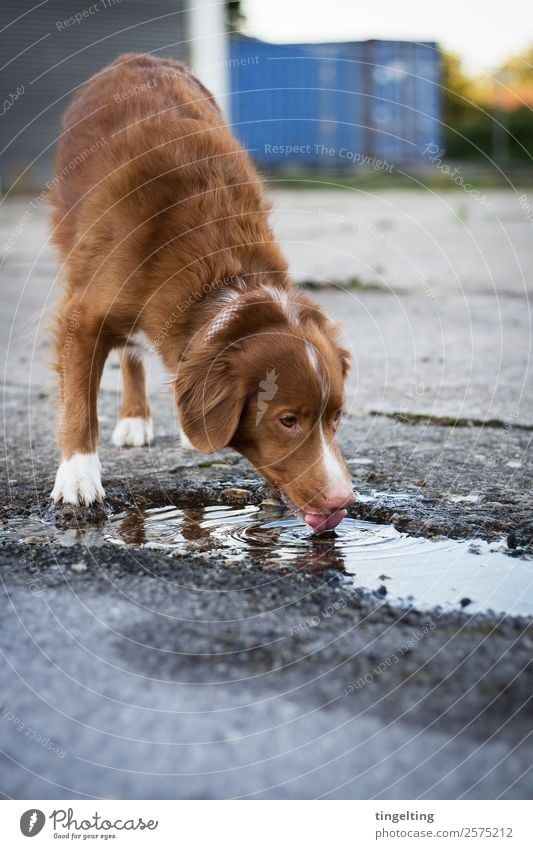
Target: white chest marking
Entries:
(139, 343)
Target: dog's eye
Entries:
(290, 421)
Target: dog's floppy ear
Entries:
(210, 400)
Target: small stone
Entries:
(78, 568)
(235, 494)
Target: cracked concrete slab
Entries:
(134, 673)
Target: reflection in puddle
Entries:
(384, 497)
(419, 571)
(232, 532)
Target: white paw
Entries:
(78, 480)
(133, 431)
(186, 443)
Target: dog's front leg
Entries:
(81, 356)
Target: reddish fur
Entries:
(154, 226)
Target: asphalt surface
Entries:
(129, 673)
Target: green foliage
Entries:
(518, 70)
(475, 129)
(235, 17)
(521, 134)
(458, 90)
(470, 136)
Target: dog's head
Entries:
(268, 380)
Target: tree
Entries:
(459, 91)
(518, 69)
(467, 127)
(489, 115)
(235, 17)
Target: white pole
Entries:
(209, 48)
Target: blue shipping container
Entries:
(340, 105)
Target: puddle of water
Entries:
(419, 571)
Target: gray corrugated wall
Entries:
(46, 56)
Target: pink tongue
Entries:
(323, 522)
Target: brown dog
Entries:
(162, 227)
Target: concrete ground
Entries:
(132, 674)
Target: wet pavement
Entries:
(195, 641)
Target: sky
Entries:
(483, 32)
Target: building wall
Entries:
(51, 49)
(302, 105)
